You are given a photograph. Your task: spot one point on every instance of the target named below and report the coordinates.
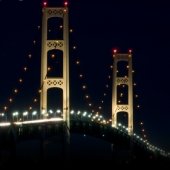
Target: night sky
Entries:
(98, 27)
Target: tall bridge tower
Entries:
(117, 81)
(55, 44)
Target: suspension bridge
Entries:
(63, 121)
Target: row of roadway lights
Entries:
(123, 128)
(25, 115)
(149, 146)
(34, 115)
(96, 117)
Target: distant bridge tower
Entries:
(127, 80)
(55, 44)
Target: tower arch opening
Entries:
(122, 68)
(122, 94)
(55, 28)
(55, 63)
(122, 118)
(55, 102)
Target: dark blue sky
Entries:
(98, 27)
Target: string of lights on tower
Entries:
(81, 76)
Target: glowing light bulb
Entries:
(44, 3)
(74, 47)
(25, 68)
(29, 56)
(66, 3)
(49, 69)
(80, 75)
(84, 86)
(5, 107)
(61, 26)
(77, 62)
(100, 107)
(71, 30)
(87, 96)
(52, 56)
(10, 100)
(15, 90)
(114, 51)
(20, 80)
(35, 100)
(130, 50)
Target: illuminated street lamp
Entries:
(2, 115)
(58, 111)
(15, 114)
(72, 112)
(84, 114)
(34, 113)
(25, 114)
(51, 112)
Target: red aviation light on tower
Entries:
(45, 4)
(130, 51)
(65, 3)
(114, 51)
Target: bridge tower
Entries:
(55, 44)
(127, 80)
